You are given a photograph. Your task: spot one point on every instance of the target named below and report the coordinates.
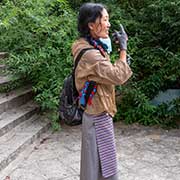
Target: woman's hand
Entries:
(121, 38)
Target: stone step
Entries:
(3, 55)
(15, 116)
(4, 80)
(9, 82)
(5, 75)
(2, 67)
(17, 140)
(4, 71)
(15, 98)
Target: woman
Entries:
(98, 153)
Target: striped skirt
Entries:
(98, 152)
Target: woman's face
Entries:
(100, 28)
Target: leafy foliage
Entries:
(39, 34)
(153, 28)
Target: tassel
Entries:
(91, 95)
(82, 94)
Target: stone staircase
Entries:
(20, 120)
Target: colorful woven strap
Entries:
(85, 98)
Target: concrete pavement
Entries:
(144, 153)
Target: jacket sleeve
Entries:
(103, 71)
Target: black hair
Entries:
(88, 12)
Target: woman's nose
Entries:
(109, 24)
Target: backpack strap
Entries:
(75, 65)
(85, 97)
(79, 57)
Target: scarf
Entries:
(97, 44)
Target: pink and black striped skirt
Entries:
(98, 150)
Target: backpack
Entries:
(69, 110)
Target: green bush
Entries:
(153, 29)
(39, 34)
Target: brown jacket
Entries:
(93, 66)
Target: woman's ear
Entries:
(91, 25)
